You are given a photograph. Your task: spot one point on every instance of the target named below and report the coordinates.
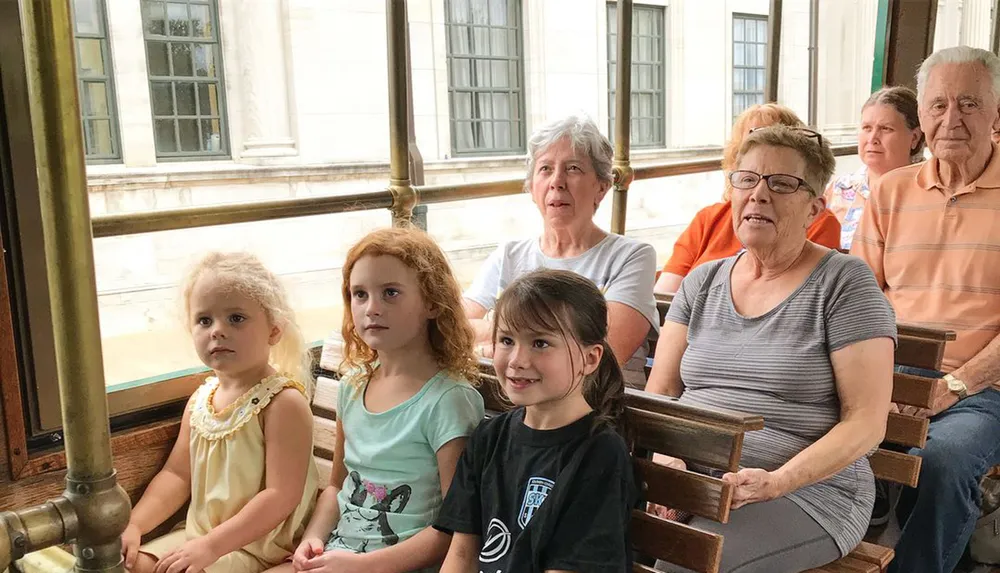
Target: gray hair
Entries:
(584, 135)
(813, 148)
(960, 55)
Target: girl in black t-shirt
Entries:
(547, 486)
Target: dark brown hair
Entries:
(903, 100)
(569, 304)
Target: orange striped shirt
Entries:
(937, 256)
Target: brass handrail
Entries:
(193, 217)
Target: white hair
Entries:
(960, 55)
(585, 136)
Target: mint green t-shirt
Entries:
(393, 489)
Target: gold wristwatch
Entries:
(956, 386)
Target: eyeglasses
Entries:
(803, 130)
(778, 182)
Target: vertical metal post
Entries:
(995, 38)
(404, 197)
(813, 111)
(880, 63)
(416, 163)
(101, 506)
(773, 50)
(623, 173)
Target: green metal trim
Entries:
(881, 43)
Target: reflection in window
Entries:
(485, 76)
(185, 77)
(97, 101)
(749, 60)
(648, 73)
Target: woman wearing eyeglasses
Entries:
(710, 236)
(800, 334)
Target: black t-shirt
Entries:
(543, 499)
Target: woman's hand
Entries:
(192, 557)
(308, 549)
(131, 539)
(659, 510)
(338, 562)
(754, 485)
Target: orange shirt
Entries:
(711, 236)
(937, 257)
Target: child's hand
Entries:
(131, 538)
(192, 557)
(338, 562)
(309, 548)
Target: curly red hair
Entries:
(451, 336)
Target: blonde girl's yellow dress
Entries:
(227, 471)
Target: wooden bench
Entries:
(707, 437)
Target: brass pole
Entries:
(995, 38)
(623, 102)
(99, 504)
(773, 50)
(403, 195)
(813, 110)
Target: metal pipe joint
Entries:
(34, 528)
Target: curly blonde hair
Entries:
(450, 334)
(245, 274)
(761, 115)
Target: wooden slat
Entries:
(693, 442)
(847, 565)
(687, 491)
(906, 430)
(640, 568)
(332, 354)
(325, 468)
(912, 390)
(325, 398)
(676, 543)
(876, 554)
(919, 352)
(671, 407)
(921, 332)
(664, 297)
(661, 309)
(895, 467)
(324, 437)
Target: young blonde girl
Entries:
(547, 486)
(403, 415)
(244, 453)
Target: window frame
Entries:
(515, 15)
(659, 12)
(219, 80)
(743, 17)
(107, 79)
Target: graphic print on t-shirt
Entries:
(372, 519)
(534, 494)
(496, 542)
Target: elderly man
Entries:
(931, 233)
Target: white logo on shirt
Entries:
(496, 542)
(534, 494)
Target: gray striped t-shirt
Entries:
(778, 365)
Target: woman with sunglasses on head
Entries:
(710, 235)
(800, 334)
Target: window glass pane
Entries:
(87, 17)
(499, 39)
(208, 99)
(204, 60)
(185, 98)
(738, 35)
(483, 72)
(461, 74)
(90, 56)
(459, 13)
(188, 129)
(201, 21)
(498, 12)
(480, 12)
(481, 41)
(163, 98)
(166, 139)
(501, 106)
(211, 134)
(485, 109)
(100, 137)
(502, 134)
(158, 62)
(459, 38)
(181, 56)
(501, 74)
(95, 99)
(177, 19)
(647, 73)
(154, 19)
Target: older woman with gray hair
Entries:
(800, 334)
(569, 174)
